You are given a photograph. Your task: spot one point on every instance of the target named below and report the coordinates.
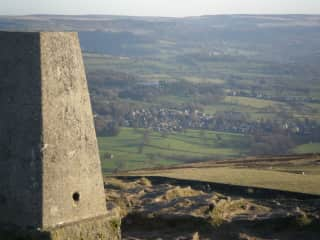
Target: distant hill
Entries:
(280, 37)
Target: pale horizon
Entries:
(157, 8)
(157, 16)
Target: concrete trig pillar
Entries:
(50, 173)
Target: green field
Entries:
(308, 148)
(167, 150)
(250, 102)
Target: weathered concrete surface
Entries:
(100, 228)
(20, 129)
(71, 163)
(50, 171)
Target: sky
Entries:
(170, 8)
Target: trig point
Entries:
(50, 175)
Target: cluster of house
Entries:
(170, 120)
(166, 120)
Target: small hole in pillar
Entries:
(76, 197)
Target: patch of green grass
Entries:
(196, 79)
(252, 112)
(251, 102)
(308, 148)
(167, 99)
(167, 150)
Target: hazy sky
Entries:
(158, 7)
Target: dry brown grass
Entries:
(226, 209)
(179, 192)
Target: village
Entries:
(171, 120)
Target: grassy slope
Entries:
(247, 177)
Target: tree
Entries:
(151, 157)
(203, 136)
(144, 141)
(140, 148)
(100, 125)
(120, 165)
(112, 129)
(271, 144)
(146, 137)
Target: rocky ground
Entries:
(166, 211)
